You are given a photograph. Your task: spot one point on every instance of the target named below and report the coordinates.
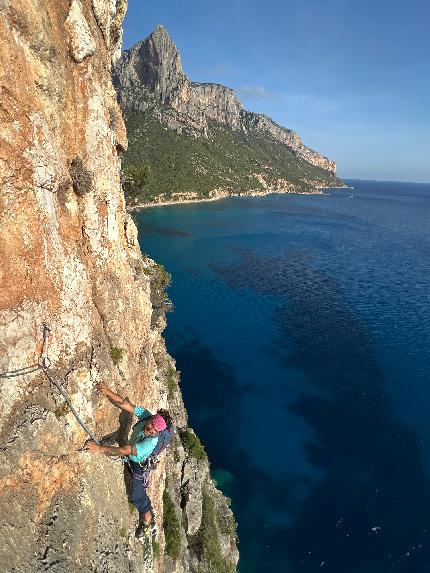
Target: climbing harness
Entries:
(143, 476)
(45, 364)
(147, 466)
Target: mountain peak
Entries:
(155, 62)
(160, 30)
(160, 39)
(152, 69)
(163, 51)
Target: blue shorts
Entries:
(139, 496)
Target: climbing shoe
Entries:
(145, 529)
(142, 530)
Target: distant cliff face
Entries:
(69, 257)
(152, 69)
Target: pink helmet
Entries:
(159, 422)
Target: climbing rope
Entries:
(20, 371)
(45, 364)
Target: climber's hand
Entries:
(92, 447)
(102, 389)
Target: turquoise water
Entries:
(301, 328)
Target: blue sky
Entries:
(352, 77)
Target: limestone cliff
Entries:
(70, 257)
(152, 69)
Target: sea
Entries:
(301, 328)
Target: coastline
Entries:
(190, 197)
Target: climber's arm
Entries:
(116, 399)
(94, 448)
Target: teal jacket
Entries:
(144, 444)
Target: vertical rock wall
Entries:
(70, 258)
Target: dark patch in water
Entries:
(149, 230)
(205, 382)
(213, 398)
(370, 514)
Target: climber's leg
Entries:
(139, 497)
(142, 503)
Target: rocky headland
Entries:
(70, 258)
(211, 145)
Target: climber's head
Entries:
(155, 425)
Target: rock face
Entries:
(152, 68)
(70, 258)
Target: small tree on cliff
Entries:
(135, 179)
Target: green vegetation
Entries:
(161, 161)
(160, 280)
(156, 551)
(171, 526)
(116, 354)
(172, 381)
(147, 548)
(131, 507)
(136, 177)
(62, 410)
(192, 444)
(226, 523)
(123, 531)
(206, 542)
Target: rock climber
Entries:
(142, 443)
